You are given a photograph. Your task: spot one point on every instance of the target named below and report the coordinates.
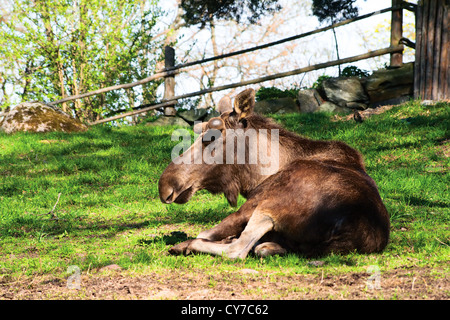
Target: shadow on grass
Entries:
(154, 147)
(421, 202)
(82, 225)
(170, 239)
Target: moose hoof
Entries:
(269, 249)
(181, 248)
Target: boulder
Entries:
(309, 100)
(388, 102)
(356, 105)
(168, 121)
(346, 92)
(386, 84)
(38, 117)
(211, 114)
(328, 106)
(276, 106)
(193, 115)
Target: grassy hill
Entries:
(109, 210)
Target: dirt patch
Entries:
(417, 283)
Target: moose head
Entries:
(230, 155)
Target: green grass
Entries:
(109, 210)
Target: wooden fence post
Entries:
(169, 82)
(431, 69)
(396, 33)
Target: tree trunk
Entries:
(337, 50)
(212, 78)
(396, 59)
(56, 54)
(61, 79)
(169, 82)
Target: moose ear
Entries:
(224, 105)
(244, 103)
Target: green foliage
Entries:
(334, 10)
(318, 83)
(267, 93)
(354, 71)
(349, 71)
(51, 49)
(204, 12)
(109, 210)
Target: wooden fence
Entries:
(170, 71)
(432, 67)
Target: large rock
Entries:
(38, 117)
(328, 106)
(276, 106)
(211, 114)
(346, 92)
(309, 100)
(193, 115)
(389, 84)
(168, 121)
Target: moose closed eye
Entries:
(211, 135)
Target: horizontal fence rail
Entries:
(160, 74)
(172, 71)
(132, 113)
(333, 63)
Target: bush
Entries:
(353, 71)
(267, 93)
(349, 71)
(319, 81)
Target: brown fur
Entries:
(321, 200)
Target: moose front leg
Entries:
(231, 226)
(258, 225)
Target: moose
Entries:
(318, 201)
